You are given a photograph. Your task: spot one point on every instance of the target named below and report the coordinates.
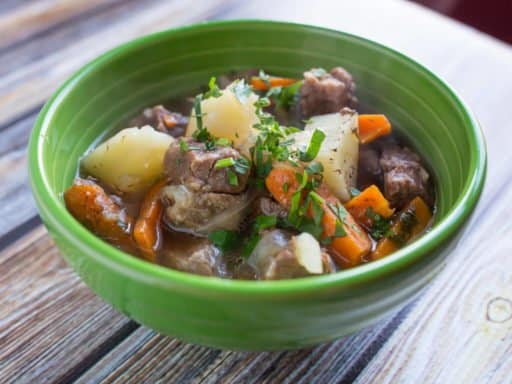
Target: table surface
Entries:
(54, 329)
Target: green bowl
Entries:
(253, 315)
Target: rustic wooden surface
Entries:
(52, 327)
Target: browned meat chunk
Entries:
(100, 213)
(404, 176)
(327, 92)
(269, 207)
(369, 170)
(203, 212)
(162, 120)
(200, 258)
(195, 168)
(274, 257)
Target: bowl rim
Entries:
(51, 205)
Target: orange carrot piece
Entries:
(422, 215)
(372, 198)
(96, 210)
(347, 250)
(147, 227)
(259, 84)
(373, 126)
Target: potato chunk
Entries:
(228, 116)
(339, 151)
(130, 161)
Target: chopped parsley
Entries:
(252, 241)
(380, 227)
(225, 240)
(223, 142)
(263, 222)
(314, 168)
(313, 147)
(232, 178)
(183, 146)
(224, 163)
(285, 187)
(213, 89)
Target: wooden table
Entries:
(53, 328)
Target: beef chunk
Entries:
(265, 205)
(162, 120)
(404, 176)
(369, 170)
(195, 168)
(274, 257)
(323, 93)
(200, 258)
(203, 212)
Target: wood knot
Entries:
(499, 310)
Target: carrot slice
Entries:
(147, 227)
(412, 220)
(372, 198)
(259, 84)
(349, 249)
(373, 126)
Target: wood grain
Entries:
(36, 16)
(50, 322)
(53, 329)
(148, 356)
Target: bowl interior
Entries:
(152, 69)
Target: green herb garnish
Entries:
(314, 168)
(380, 227)
(224, 163)
(225, 240)
(183, 146)
(213, 89)
(313, 147)
(232, 178)
(263, 222)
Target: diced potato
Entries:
(339, 151)
(228, 117)
(308, 252)
(130, 161)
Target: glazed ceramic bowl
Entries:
(255, 315)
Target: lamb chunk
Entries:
(323, 93)
(162, 120)
(267, 206)
(274, 257)
(203, 212)
(404, 176)
(369, 170)
(195, 168)
(201, 258)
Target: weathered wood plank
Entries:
(148, 356)
(51, 324)
(66, 33)
(461, 332)
(35, 16)
(30, 85)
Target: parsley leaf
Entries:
(263, 222)
(224, 163)
(213, 89)
(313, 147)
(183, 146)
(232, 177)
(225, 240)
(380, 227)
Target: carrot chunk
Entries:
(373, 126)
(348, 248)
(371, 198)
(412, 220)
(97, 211)
(147, 231)
(259, 84)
